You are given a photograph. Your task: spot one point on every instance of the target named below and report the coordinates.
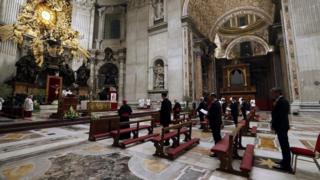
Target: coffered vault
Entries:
(210, 15)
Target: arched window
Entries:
(237, 78)
(158, 74)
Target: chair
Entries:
(296, 151)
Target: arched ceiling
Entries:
(208, 15)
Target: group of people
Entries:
(213, 109)
(279, 124)
(234, 107)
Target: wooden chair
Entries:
(296, 151)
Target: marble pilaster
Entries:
(198, 72)
(8, 50)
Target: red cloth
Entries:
(125, 115)
(54, 86)
(27, 113)
(302, 151)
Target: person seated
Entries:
(176, 109)
(124, 112)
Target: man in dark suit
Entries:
(202, 105)
(245, 106)
(280, 124)
(165, 113)
(215, 118)
(124, 112)
(234, 110)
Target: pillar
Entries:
(198, 72)
(122, 59)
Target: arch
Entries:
(185, 8)
(240, 10)
(244, 39)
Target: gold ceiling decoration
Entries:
(45, 20)
(207, 14)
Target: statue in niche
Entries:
(111, 78)
(158, 76)
(67, 74)
(83, 74)
(27, 69)
(158, 9)
(108, 54)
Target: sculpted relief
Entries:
(158, 71)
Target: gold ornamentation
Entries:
(45, 20)
(266, 162)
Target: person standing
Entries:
(124, 112)
(280, 124)
(202, 105)
(1, 102)
(176, 109)
(165, 113)
(28, 106)
(215, 119)
(224, 106)
(234, 110)
(244, 108)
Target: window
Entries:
(245, 49)
(112, 28)
(243, 21)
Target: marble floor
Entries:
(65, 153)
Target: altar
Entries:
(236, 82)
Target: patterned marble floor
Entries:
(65, 153)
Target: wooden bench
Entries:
(247, 131)
(227, 150)
(174, 132)
(183, 117)
(100, 127)
(115, 134)
(205, 125)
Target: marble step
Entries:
(49, 107)
(310, 108)
(32, 151)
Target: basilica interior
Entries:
(83, 87)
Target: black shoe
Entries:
(282, 168)
(166, 144)
(278, 162)
(213, 155)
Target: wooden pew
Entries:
(205, 125)
(174, 132)
(100, 128)
(183, 117)
(227, 150)
(247, 131)
(115, 134)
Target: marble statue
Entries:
(83, 74)
(158, 76)
(158, 9)
(108, 54)
(67, 74)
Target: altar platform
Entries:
(41, 119)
